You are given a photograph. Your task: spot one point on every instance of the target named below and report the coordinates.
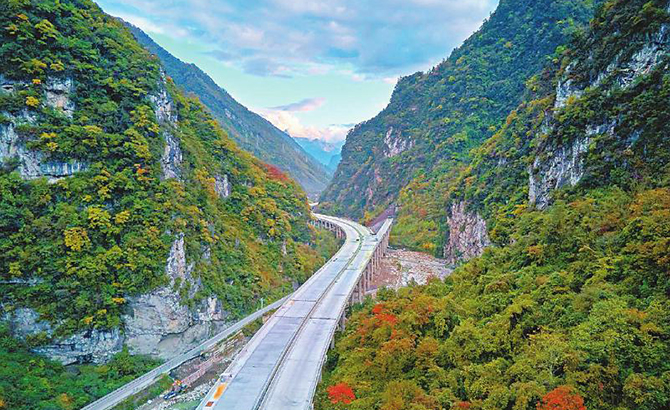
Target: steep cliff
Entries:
(435, 118)
(249, 130)
(127, 216)
(569, 306)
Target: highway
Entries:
(144, 381)
(281, 365)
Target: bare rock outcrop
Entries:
(395, 143)
(468, 235)
(222, 186)
(92, 346)
(166, 115)
(558, 167)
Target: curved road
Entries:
(281, 365)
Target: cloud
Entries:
(308, 104)
(141, 22)
(285, 119)
(375, 38)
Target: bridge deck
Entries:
(281, 365)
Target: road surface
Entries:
(281, 366)
(142, 382)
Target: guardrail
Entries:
(144, 381)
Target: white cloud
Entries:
(141, 22)
(286, 120)
(377, 38)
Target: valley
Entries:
(496, 237)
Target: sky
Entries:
(314, 68)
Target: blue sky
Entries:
(312, 67)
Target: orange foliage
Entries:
(388, 318)
(276, 173)
(561, 398)
(341, 393)
(378, 308)
(463, 405)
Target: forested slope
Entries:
(127, 215)
(252, 132)
(435, 118)
(569, 305)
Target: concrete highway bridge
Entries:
(280, 367)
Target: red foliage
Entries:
(463, 405)
(561, 398)
(388, 318)
(276, 173)
(341, 393)
(378, 309)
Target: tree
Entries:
(561, 398)
(341, 393)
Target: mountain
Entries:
(326, 153)
(250, 131)
(129, 220)
(435, 118)
(560, 225)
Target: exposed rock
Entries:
(166, 116)
(162, 101)
(468, 236)
(624, 73)
(93, 346)
(621, 72)
(6, 85)
(566, 90)
(222, 186)
(32, 164)
(558, 167)
(159, 323)
(57, 95)
(395, 145)
(172, 157)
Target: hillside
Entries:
(250, 131)
(563, 215)
(435, 118)
(128, 217)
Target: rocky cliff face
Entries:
(559, 165)
(562, 165)
(166, 116)
(33, 164)
(157, 323)
(468, 236)
(395, 144)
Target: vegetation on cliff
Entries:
(435, 118)
(249, 130)
(570, 306)
(76, 248)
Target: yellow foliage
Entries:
(14, 269)
(119, 301)
(98, 217)
(88, 320)
(76, 239)
(34, 66)
(32, 102)
(65, 401)
(57, 66)
(122, 217)
(37, 81)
